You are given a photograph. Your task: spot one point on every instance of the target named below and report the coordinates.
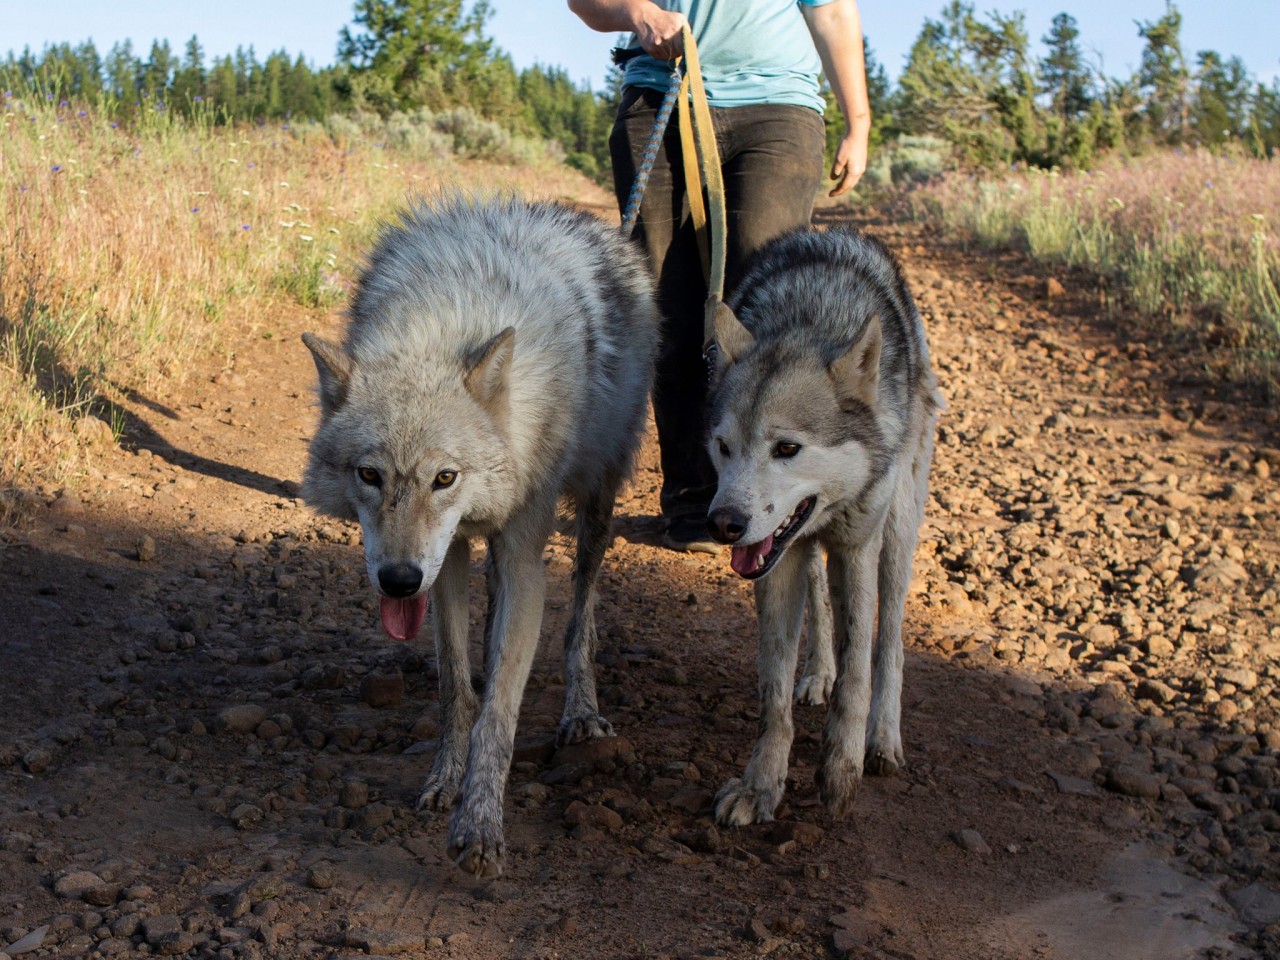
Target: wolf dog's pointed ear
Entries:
(486, 381)
(856, 375)
(334, 367)
(733, 340)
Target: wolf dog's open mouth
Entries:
(402, 618)
(756, 559)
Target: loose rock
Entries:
(1133, 783)
(240, 718)
(971, 840)
(382, 689)
(385, 943)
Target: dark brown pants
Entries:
(772, 160)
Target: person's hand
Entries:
(659, 32)
(850, 162)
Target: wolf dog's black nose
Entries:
(399, 579)
(727, 525)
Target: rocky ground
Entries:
(208, 748)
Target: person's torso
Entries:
(751, 52)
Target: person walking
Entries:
(760, 64)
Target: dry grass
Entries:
(1186, 239)
(126, 253)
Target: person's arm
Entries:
(837, 33)
(657, 31)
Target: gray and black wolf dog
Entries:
(498, 356)
(821, 429)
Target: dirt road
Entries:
(208, 747)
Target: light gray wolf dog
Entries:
(822, 424)
(498, 356)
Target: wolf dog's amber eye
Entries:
(445, 478)
(369, 475)
(724, 449)
(786, 450)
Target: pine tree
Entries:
(950, 85)
(1220, 108)
(273, 75)
(1164, 79)
(1064, 77)
(415, 53)
(122, 69)
(1264, 120)
(157, 72)
(189, 79)
(224, 87)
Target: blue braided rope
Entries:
(651, 148)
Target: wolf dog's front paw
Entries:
(815, 688)
(438, 793)
(738, 804)
(838, 785)
(476, 843)
(884, 755)
(577, 729)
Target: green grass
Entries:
(126, 249)
(1188, 240)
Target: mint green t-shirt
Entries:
(751, 52)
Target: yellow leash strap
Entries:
(700, 153)
(693, 178)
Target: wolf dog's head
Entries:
(794, 431)
(415, 453)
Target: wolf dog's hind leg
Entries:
(475, 830)
(884, 735)
(450, 611)
(780, 602)
(814, 685)
(582, 719)
(852, 571)
(902, 530)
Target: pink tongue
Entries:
(743, 560)
(403, 618)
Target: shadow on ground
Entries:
(122, 761)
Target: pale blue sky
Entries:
(545, 31)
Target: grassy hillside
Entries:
(126, 252)
(1184, 242)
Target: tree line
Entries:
(974, 82)
(399, 56)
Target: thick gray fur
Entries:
(511, 343)
(822, 347)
